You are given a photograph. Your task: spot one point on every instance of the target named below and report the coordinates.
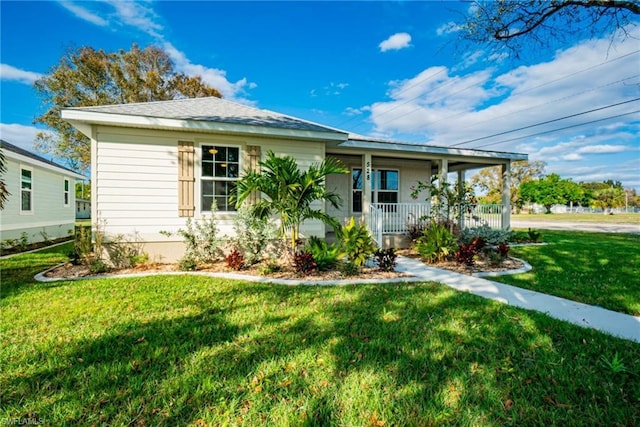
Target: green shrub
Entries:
(356, 242)
(349, 268)
(490, 236)
(253, 234)
(269, 267)
(325, 255)
(436, 244)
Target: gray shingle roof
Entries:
(14, 148)
(210, 109)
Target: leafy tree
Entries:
(551, 190)
(83, 191)
(512, 23)
(290, 193)
(89, 77)
(608, 198)
(489, 180)
(4, 191)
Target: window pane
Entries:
(207, 188)
(221, 170)
(66, 198)
(387, 197)
(26, 201)
(207, 169)
(66, 185)
(207, 155)
(232, 171)
(25, 179)
(356, 179)
(221, 188)
(207, 202)
(233, 154)
(221, 155)
(357, 202)
(388, 180)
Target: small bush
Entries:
(187, 264)
(349, 268)
(490, 236)
(98, 266)
(253, 234)
(534, 236)
(235, 260)
(436, 244)
(325, 255)
(503, 250)
(386, 259)
(304, 263)
(356, 242)
(269, 267)
(494, 258)
(466, 252)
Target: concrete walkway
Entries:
(611, 322)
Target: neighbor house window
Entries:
(26, 190)
(220, 170)
(66, 192)
(384, 187)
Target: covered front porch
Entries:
(380, 187)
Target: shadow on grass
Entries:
(365, 355)
(17, 272)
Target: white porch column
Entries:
(443, 170)
(461, 179)
(367, 172)
(506, 195)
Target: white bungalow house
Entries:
(41, 204)
(156, 164)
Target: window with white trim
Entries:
(67, 196)
(26, 190)
(384, 187)
(219, 173)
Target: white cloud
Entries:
(602, 149)
(84, 14)
(141, 17)
(8, 72)
(448, 28)
(212, 76)
(137, 15)
(20, 135)
(395, 42)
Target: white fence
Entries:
(397, 218)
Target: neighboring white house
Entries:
(83, 208)
(41, 204)
(156, 164)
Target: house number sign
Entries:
(367, 172)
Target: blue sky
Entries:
(385, 69)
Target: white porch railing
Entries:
(396, 218)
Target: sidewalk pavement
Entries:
(588, 316)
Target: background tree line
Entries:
(531, 185)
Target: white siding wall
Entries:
(49, 213)
(135, 182)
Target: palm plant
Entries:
(290, 192)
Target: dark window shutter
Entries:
(186, 179)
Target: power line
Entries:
(515, 93)
(559, 129)
(546, 122)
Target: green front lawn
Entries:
(593, 268)
(189, 350)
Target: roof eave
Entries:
(74, 117)
(430, 149)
